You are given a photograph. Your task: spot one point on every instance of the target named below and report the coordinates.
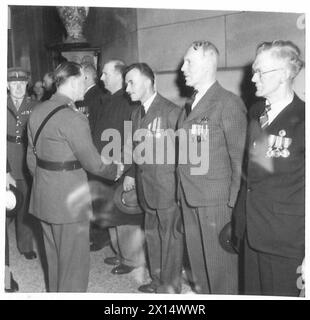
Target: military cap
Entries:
(17, 74)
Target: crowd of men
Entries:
(252, 187)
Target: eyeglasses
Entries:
(261, 73)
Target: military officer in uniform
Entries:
(19, 107)
(60, 149)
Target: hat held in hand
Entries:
(127, 201)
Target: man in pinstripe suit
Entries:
(207, 198)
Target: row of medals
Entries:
(278, 145)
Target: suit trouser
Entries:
(214, 270)
(68, 258)
(165, 247)
(25, 223)
(128, 243)
(268, 274)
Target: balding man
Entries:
(125, 239)
(216, 117)
(94, 98)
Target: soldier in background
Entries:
(19, 107)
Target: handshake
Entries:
(120, 169)
(129, 182)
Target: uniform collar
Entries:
(62, 99)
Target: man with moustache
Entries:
(207, 198)
(156, 183)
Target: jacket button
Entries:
(249, 189)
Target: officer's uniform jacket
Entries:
(16, 127)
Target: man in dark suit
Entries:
(19, 107)
(156, 181)
(217, 123)
(275, 195)
(126, 240)
(94, 98)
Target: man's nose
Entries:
(255, 77)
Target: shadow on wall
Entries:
(247, 87)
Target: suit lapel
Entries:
(282, 116)
(154, 110)
(205, 102)
(23, 105)
(11, 107)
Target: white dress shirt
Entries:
(277, 107)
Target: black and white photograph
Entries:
(154, 150)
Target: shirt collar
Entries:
(149, 101)
(201, 92)
(277, 107)
(88, 88)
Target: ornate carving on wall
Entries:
(73, 19)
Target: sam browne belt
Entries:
(53, 165)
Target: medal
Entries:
(286, 143)
(282, 133)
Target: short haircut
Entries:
(284, 50)
(66, 70)
(119, 65)
(144, 69)
(90, 70)
(206, 46)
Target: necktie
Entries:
(189, 103)
(142, 111)
(17, 105)
(263, 119)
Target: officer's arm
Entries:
(80, 140)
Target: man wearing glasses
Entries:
(275, 213)
(207, 198)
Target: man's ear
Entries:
(286, 75)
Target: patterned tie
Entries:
(263, 119)
(189, 103)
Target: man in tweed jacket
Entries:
(207, 198)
